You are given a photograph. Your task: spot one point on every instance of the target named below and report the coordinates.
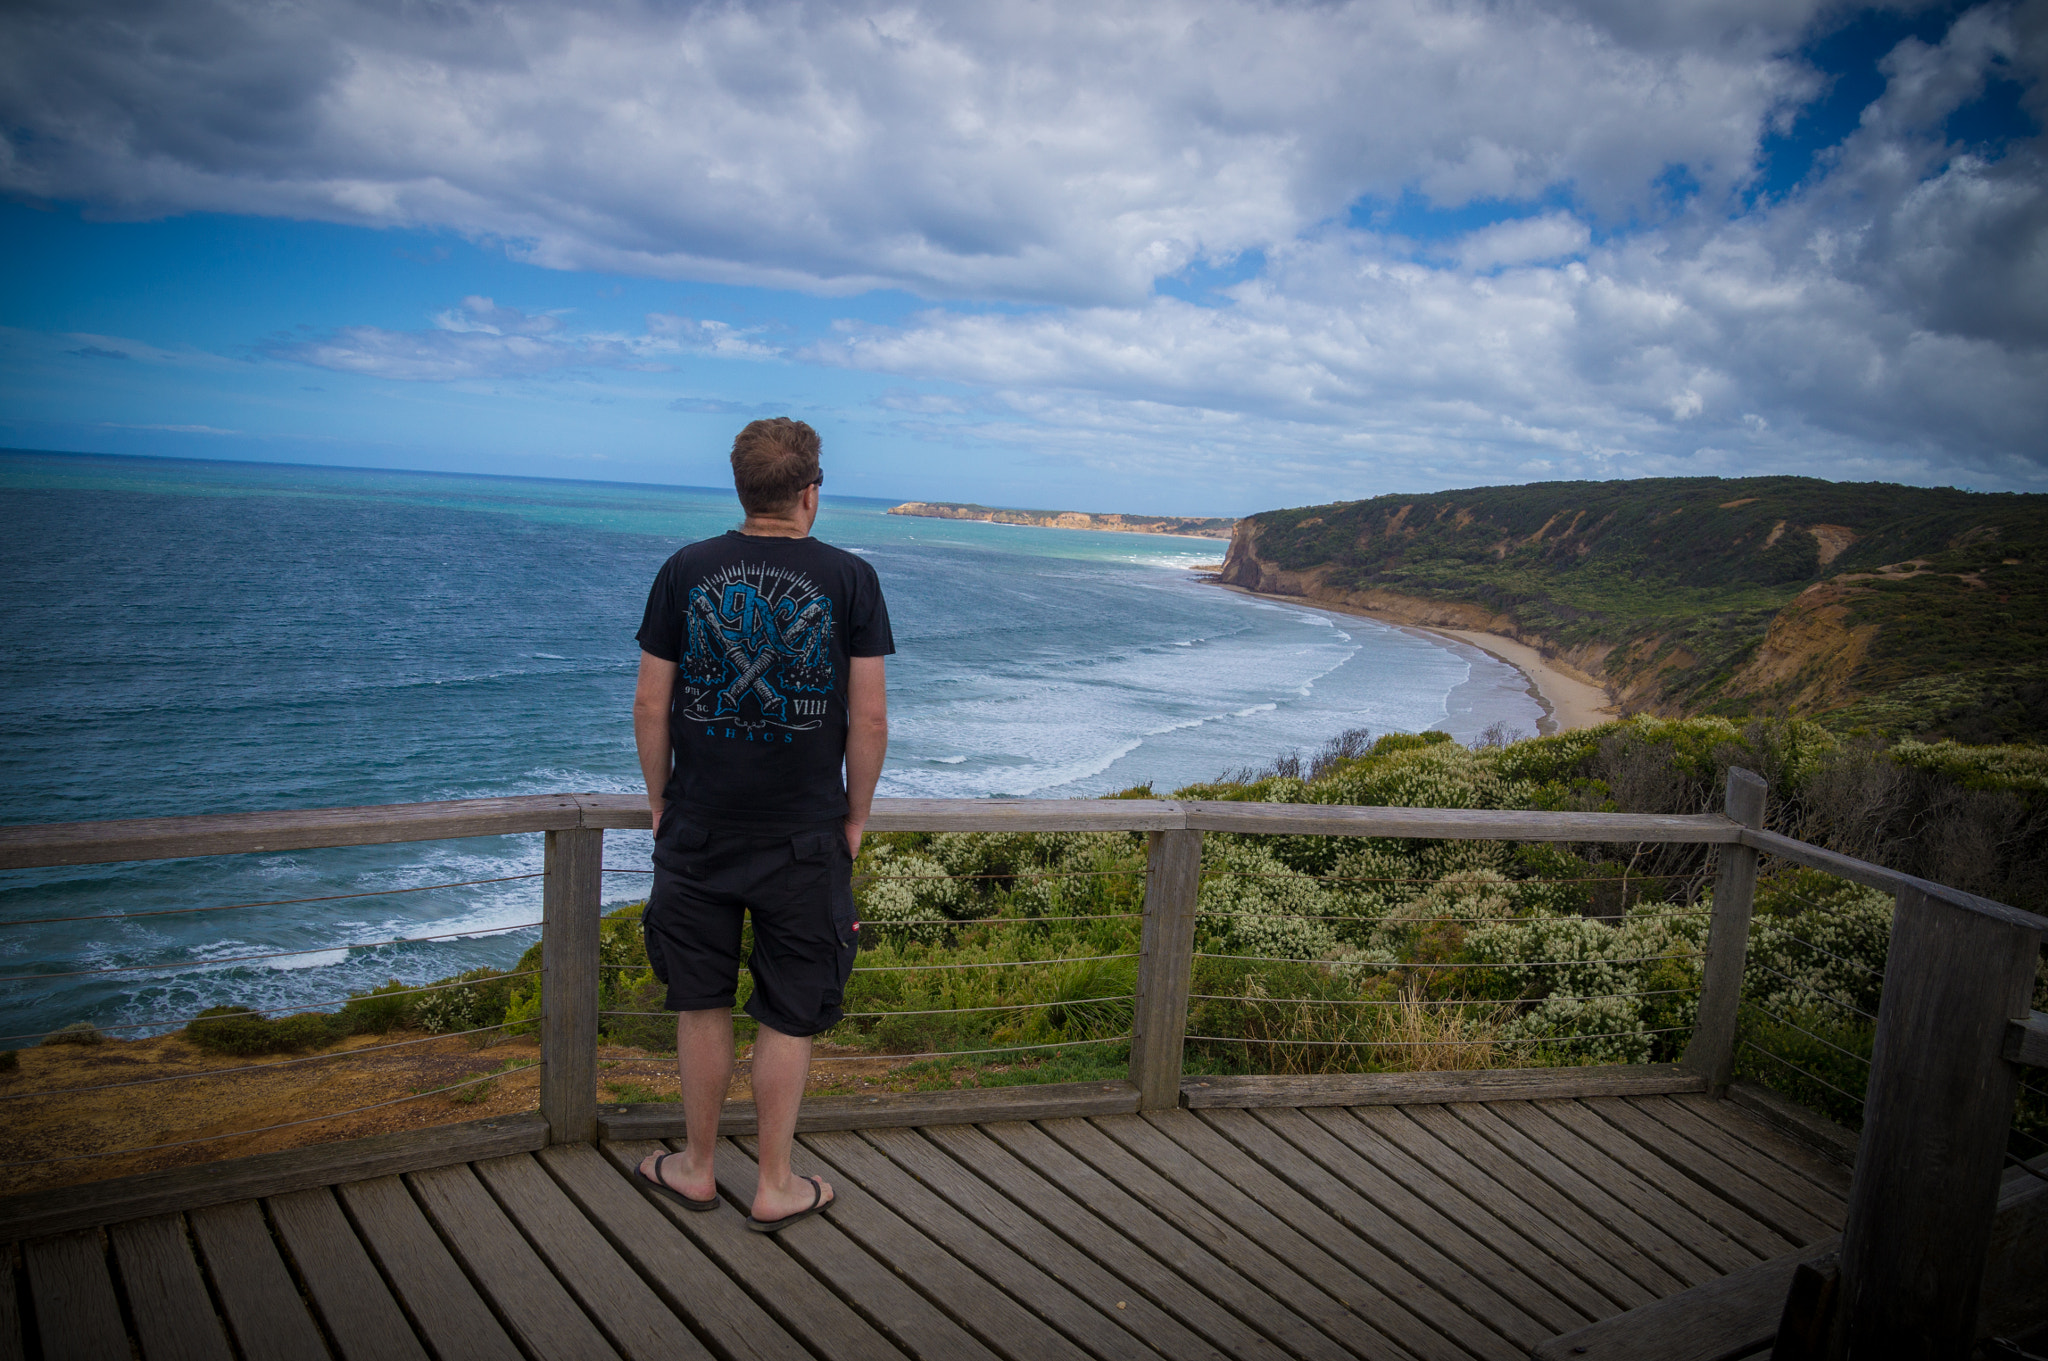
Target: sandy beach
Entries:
(1570, 701)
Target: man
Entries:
(761, 718)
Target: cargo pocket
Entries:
(678, 841)
(827, 851)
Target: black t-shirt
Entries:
(760, 629)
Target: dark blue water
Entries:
(193, 638)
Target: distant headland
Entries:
(1071, 519)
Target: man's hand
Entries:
(867, 740)
(651, 697)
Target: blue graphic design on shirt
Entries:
(760, 649)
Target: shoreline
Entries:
(1568, 702)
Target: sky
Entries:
(1157, 257)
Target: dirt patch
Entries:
(230, 1107)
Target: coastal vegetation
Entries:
(1874, 609)
(1346, 954)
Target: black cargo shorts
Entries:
(796, 882)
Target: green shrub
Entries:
(240, 1031)
(10, 1060)
(78, 1032)
(379, 1010)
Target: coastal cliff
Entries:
(1196, 527)
(1888, 609)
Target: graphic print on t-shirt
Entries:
(760, 651)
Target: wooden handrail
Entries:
(90, 843)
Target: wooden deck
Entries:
(1438, 1232)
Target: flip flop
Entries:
(700, 1206)
(818, 1205)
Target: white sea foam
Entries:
(550, 657)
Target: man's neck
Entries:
(768, 527)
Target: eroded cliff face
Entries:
(1245, 569)
(1805, 663)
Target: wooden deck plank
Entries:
(909, 1319)
(362, 1318)
(1439, 1214)
(257, 1294)
(1355, 1313)
(1625, 1134)
(1678, 1140)
(1745, 1122)
(526, 1295)
(1352, 1236)
(13, 1346)
(1405, 1089)
(1130, 1310)
(629, 1314)
(1211, 1272)
(664, 1119)
(1002, 1324)
(1820, 1206)
(455, 1321)
(1151, 1283)
(1617, 1212)
(1080, 1320)
(1563, 1265)
(1570, 1142)
(167, 1299)
(1493, 1168)
(700, 1273)
(78, 1317)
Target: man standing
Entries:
(761, 718)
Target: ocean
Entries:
(188, 637)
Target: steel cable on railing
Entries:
(1361, 966)
(274, 954)
(261, 1129)
(1014, 874)
(1825, 997)
(995, 964)
(1820, 949)
(276, 902)
(1438, 1002)
(935, 1011)
(1818, 1039)
(891, 1058)
(1427, 1044)
(296, 1007)
(279, 1063)
(1397, 922)
(1811, 1077)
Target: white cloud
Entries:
(1524, 241)
(1068, 149)
(481, 339)
(1887, 319)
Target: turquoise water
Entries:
(209, 637)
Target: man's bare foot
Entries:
(681, 1174)
(794, 1196)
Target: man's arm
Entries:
(651, 700)
(867, 740)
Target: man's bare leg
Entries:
(781, 1062)
(704, 1063)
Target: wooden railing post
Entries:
(571, 904)
(1711, 1052)
(1165, 965)
(1935, 1119)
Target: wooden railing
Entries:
(1953, 1024)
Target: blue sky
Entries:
(1194, 259)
